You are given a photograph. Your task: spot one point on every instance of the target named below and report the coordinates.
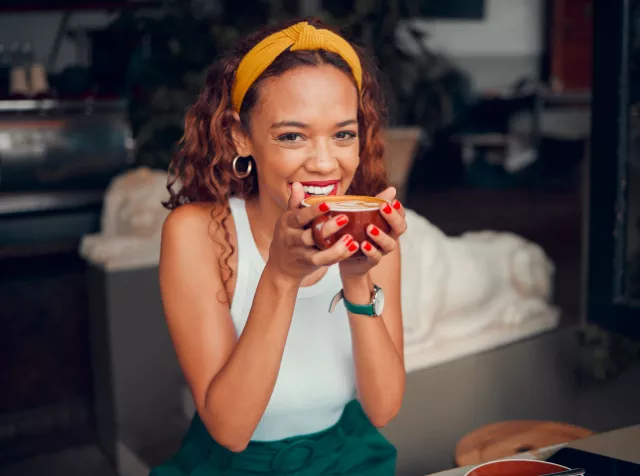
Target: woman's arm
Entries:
(231, 378)
(378, 347)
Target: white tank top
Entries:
(316, 378)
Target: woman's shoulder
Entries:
(198, 224)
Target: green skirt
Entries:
(352, 446)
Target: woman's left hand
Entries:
(393, 212)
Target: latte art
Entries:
(346, 203)
(352, 205)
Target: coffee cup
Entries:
(521, 467)
(361, 211)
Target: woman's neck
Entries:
(263, 214)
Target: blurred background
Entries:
(508, 115)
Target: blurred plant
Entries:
(603, 355)
(164, 76)
(424, 87)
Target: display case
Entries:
(56, 160)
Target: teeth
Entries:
(311, 190)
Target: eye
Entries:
(290, 137)
(346, 135)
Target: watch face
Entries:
(378, 302)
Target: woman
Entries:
(280, 384)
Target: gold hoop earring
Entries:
(241, 175)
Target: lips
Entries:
(320, 183)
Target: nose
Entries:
(322, 160)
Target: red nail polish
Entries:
(396, 204)
(324, 207)
(347, 239)
(367, 246)
(342, 221)
(375, 231)
(353, 247)
(387, 209)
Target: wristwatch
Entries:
(373, 309)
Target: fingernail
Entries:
(342, 220)
(324, 207)
(353, 247)
(396, 204)
(375, 231)
(347, 239)
(387, 209)
(367, 246)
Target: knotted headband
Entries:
(300, 36)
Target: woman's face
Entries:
(304, 129)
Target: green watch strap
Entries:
(373, 309)
(364, 309)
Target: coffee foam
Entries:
(353, 205)
(346, 203)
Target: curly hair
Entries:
(203, 163)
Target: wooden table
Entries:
(505, 438)
(621, 444)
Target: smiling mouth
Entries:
(320, 188)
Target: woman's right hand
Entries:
(293, 253)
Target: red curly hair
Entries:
(203, 162)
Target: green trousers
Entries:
(353, 447)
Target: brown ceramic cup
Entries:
(361, 212)
(521, 467)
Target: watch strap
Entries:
(362, 309)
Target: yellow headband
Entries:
(300, 36)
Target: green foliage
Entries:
(164, 76)
(603, 355)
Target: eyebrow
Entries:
(302, 125)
